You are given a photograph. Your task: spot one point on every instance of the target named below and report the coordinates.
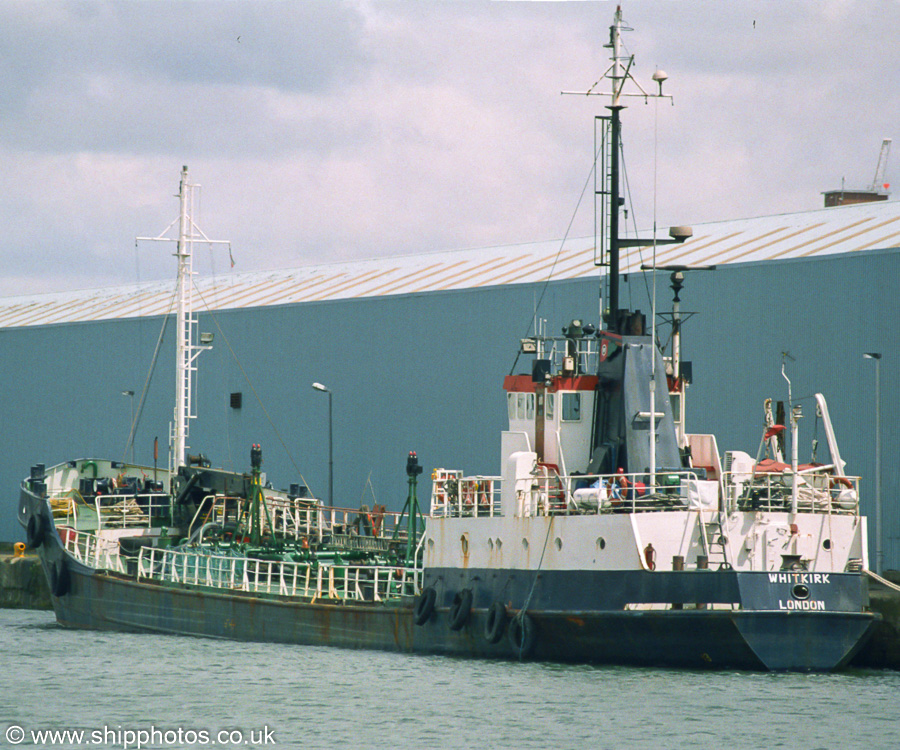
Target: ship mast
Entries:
(617, 78)
(186, 350)
(619, 74)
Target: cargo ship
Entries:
(609, 535)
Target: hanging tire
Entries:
(59, 578)
(35, 531)
(495, 623)
(424, 606)
(522, 635)
(460, 609)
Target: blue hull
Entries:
(696, 638)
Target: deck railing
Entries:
(303, 521)
(817, 492)
(321, 581)
(455, 495)
(108, 511)
(547, 492)
(91, 550)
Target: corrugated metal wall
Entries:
(423, 372)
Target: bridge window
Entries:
(571, 407)
(548, 407)
(529, 406)
(511, 405)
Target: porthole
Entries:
(464, 544)
(826, 544)
(499, 543)
(558, 543)
(524, 543)
(800, 591)
(601, 543)
(490, 543)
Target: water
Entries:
(60, 679)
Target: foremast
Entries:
(186, 348)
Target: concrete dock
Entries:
(22, 581)
(883, 650)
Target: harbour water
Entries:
(180, 691)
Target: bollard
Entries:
(677, 564)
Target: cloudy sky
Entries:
(328, 131)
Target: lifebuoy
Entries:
(35, 531)
(377, 519)
(460, 609)
(840, 482)
(522, 635)
(495, 623)
(424, 606)
(59, 578)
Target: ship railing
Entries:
(308, 521)
(364, 528)
(550, 493)
(322, 581)
(93, 551)
(356, 528)
(119, 511)
(219, 509)
(585, 353)
(818, 491)
(64, 506)
(108, 511)
(452, 494)
(295, 518)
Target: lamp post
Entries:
(879, 554)
(320, 387)
(130, 395)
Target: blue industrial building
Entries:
(414, 351)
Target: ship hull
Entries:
(690, 637)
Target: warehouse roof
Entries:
(831, 231)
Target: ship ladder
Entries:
(552, 484)
(714, 542)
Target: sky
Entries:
(333, 131)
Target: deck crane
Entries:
(878, 183)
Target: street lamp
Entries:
(879, 554)
(130, 394)
(320, 387)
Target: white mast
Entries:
(186, 351)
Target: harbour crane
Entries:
(878, 183)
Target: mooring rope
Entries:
(520, 615)
(883, 581)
